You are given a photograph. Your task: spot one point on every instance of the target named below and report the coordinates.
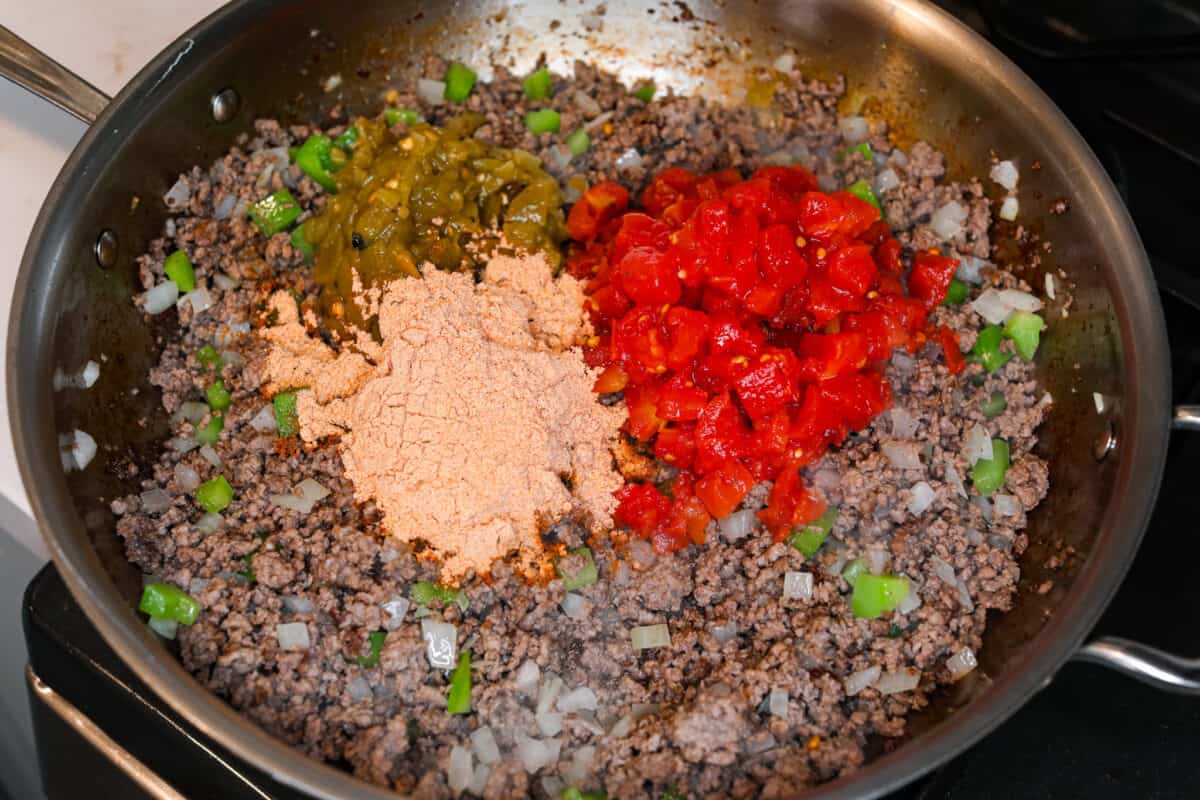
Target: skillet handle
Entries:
(33, 70)
(1152, 666)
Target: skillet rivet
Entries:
(1105, 443)
(225, 105)
(106, 248)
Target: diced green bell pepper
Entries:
(424, 592)
(408, 116)
(218, 396)
(287, 420)
(862, 190)
(313, 159)
(994, 405)
(987, 349)
(852, 570)
(275, 212)
(208, 357)
(375, 638)
(1025, 328)
(544, 120)
(210, 434)
(988, 473)
(956, 293)
(585, 576)
(178, 268)
(165, 601)
(876, 594)
(645, 92)
(459, 699)
(302, 244)
(460, 79)
(539, 85)
(579, 142)
(347, 139)
(214, 495)
(809, 538)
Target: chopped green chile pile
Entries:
(436, 196)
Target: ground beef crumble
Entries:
(691, 716)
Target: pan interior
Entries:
(72, 310)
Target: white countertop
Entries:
(106, 43)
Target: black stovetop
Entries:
(1128, 76)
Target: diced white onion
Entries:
(191, 411)
(886, 180)
(904, 680)
(77, 449)
(84, 379)
(573, 605)
(332, 82)
(1019, 300)
(943, 570)
(970, 269)
(876, 560)
(985, 508)
(483, 744)
(578, 770)
(479, 779)
(737, 525)
(724, 633)
(1101, 402)
(978, 445)
(527, 677)
(902, 455)
(642, 553)
(1006, 505)
(199, 299)
(760, 742)
(785, 62)
(431, 92)
(899, 158)
(857, 681)
(854, 129)
(534, 753)
(394, 611)
(166, 628)
(599, 121)
(553, 786)
(459, 773)
(187, 478)
(228, 333)
(297, 605)
(224, 282)
(955, 480)
(797, 585)
(197, 585)
(649, 637)
(577, 699)
(922, 498)
(311, 491)
(991, 306)
(264, 420)
(1050, 285)
(183, 444)
(548, 723)
(630, 159)
(777, 702)
(209, 523)
(904, 424)
(210, 455)
(223, 208)
(947, 221)
(964, 596)
(558, 158)
(179, 194)
(1005, 173)
(548, 692)
(441, 643)
(360, 690)
(292, 635)
(169, 229)
(160, 298)
(1009, 209)
(586, 104)
(291, 502)
(961, 663)
(911, 601)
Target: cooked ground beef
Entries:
(692, 716)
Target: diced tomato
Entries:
(764, 389)
(887, 256)
(687, 331)
(603, 202)
(764, 300)
(779, 259)
(684, 524)
(794, 180)
(851, 269)
(668, 187)
(608, 303)
(639, 230)
(677, 445)
(789, 505)
(612, 379)
(720, 433)
(641, 400)
(837, 216)
(648, 276)
(739, 274)
(723, 489)
(930, 277)
(679, 401)
(826, 301)
(727, 336)
(641, 506)
(639, 343)
(825, 356)
(954, 357)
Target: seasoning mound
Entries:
(476, 420)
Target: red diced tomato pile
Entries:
(747, 323)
